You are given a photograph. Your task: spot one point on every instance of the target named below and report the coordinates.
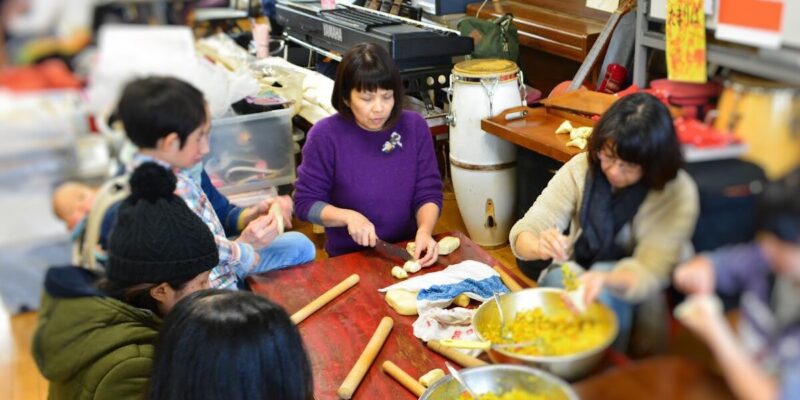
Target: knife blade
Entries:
(391, 250)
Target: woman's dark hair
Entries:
(137, 295)
(640, 130)
(152, 108)
(778, 208)
(219, 344)
(367, 67)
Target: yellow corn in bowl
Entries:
(557, 340)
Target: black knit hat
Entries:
(157, 238)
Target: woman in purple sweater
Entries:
(370, 171)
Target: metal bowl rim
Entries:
(549, 359)
(561, 383)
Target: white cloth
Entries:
(476, 280)
(438, 289)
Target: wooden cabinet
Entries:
(555, 35)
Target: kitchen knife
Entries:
(392, 251)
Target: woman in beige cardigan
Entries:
(627, 207)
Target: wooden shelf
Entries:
(779, 65)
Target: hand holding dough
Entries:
(412, 266)
(411, 248)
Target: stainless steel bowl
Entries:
(499, 379)
(570, 367)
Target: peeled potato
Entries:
(582, 132)
(402, 301)
(565, 127)
(579, 143)
(461, 300)
(399, 273)
(448, 244)
(431, 377)
(411, 247)
(412, 266)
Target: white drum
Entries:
(482, 89)
(483, 166)
(486, 202)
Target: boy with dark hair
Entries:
(763, 362)
(168, 120)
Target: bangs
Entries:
(371, 76)
(631, 146)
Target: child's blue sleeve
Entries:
(268, 7)
(109, 219)
(790, 380)
(735, 265)
(227, 213)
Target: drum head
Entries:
(488, 67)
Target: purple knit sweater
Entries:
(343, 165)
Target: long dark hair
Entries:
(137, 294)
(219, 344)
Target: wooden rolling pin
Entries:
(455, 355)
(365, 359)
(325, 298)
(403, 378)
(277, 213)
(508, 280)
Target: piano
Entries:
(412, 44)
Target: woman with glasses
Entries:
(624, 211)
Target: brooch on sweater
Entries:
(392, 143)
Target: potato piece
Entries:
(461, 300)
(448, 244)
(431, 377)
(582, 132)
(411, 247)
(579, 143)
(412, 266)
(403, 301)
(399, 273)
(565, 127)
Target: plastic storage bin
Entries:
(251, 152)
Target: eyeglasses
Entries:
(627, 168)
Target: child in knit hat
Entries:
(167, 119)
(95, 335)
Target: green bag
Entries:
(493, 39)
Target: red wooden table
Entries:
(336, 334)
(666, 377)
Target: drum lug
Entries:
(450, 118)
(490, 218)
(521, 83)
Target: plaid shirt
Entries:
(235, 258)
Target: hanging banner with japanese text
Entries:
(686, 41)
